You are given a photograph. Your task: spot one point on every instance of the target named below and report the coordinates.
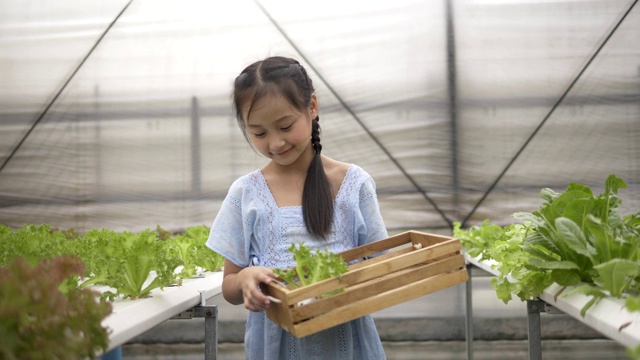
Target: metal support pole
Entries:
(468, 318)
(534, 308)
(210, 314)
(453, 103)
(196, 163)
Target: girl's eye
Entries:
(259, 135)
(287, 128)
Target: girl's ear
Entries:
(313, 106)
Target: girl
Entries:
(299, 195)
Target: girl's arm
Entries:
(241, 285)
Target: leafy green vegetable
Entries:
(588, 236)
(32, 243)
(125, 260)
(505, 246)
(132, 264)
(192, 251)
(575, 239)
(478, 239)
(616, 275)
(43, 307)
(39, 321)
(312, 267)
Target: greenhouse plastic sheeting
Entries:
(117, 114)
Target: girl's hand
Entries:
(241, 285)
(249, 280)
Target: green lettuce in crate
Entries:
(311, 267)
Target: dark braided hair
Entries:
(286, 77)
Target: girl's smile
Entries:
(283, 153)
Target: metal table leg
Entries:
(468, 318)
(210, 314)
(534, 308)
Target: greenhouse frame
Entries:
(117, 115)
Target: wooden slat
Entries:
(280, 314)
(379, 302)
(376, 286)
(427, 239)
(381, 258)
(375, 247)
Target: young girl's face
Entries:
(278, 130)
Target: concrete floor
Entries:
(432, 350)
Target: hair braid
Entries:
(315, 135)
(317, 195)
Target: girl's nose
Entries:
(276, 143)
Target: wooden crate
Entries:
(413, 264)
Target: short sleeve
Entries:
(232, 230)
(369, 223)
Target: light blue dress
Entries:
(251, 229)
